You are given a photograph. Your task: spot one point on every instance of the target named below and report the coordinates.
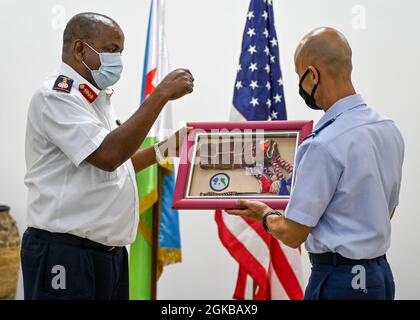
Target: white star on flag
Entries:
(273, 42)
(267, 51)
(277, 98)
(280, 81)
(254, 102)
(238, 85)
(268, 85)
(252, 49)
(265, 33)
(267, 68)
(254, 84)
(274, 115)
(265, 15)
(250, 15)
(251, 32)
(253, 67)
(268, 103)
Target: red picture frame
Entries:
(182, 201)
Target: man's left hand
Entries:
(252, 209)
(171, 147)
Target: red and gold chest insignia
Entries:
(87, 92)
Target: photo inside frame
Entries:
(242, 165)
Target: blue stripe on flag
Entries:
(169, 235)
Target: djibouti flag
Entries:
(155, 183)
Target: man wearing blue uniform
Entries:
(348, 177)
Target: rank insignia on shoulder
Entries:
(63, 83)
(87, 92)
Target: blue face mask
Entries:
(110, 70)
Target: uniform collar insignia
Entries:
(88, 92)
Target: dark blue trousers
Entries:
(365, 280)
(53, 270)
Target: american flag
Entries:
(265, 264)
(258, 93)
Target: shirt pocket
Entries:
(102, 176)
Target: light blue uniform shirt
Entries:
(348, 179)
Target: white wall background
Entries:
(205, 36)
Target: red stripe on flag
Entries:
(245, 259)
(149, 82)
(284, 272)
(279, 261)
(240, 284)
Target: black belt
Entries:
(69, 239)
(333, 258)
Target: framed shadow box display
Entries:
(225, 161)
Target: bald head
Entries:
(327, 49)
(323, 64)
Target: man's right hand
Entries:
(120, 144)
(176, 84)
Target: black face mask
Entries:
(309, 98)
